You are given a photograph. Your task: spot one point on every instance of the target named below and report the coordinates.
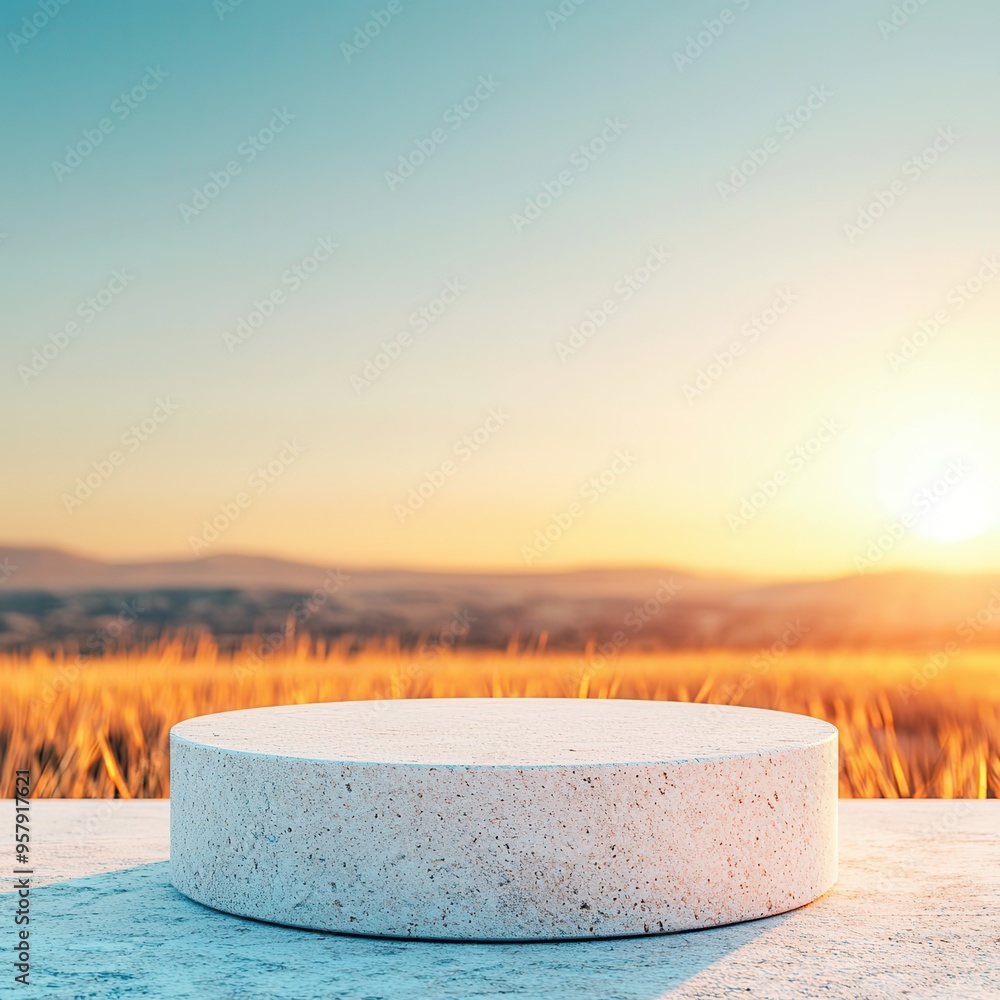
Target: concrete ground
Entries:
(916, 914)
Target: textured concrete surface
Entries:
(504, 818)
(916, 914)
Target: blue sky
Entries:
(221, 75)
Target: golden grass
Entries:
(99, 727)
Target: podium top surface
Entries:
(506, 732)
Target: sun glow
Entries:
(943, 473)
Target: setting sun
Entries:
(943, 472)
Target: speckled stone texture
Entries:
(504, 819)
(915, 914)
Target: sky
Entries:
(512, 285)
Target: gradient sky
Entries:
(689, 464)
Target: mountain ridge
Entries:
(51, 597)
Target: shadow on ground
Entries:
(129, 933)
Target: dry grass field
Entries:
(99, 726)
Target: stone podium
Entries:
(504, 819)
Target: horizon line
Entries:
(497, 571)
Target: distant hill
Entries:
(51, 596)
(54, 570)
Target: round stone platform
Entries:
(503, 819)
